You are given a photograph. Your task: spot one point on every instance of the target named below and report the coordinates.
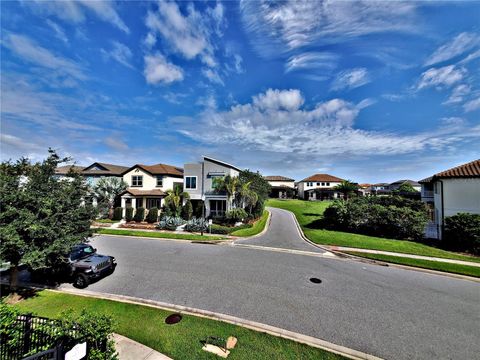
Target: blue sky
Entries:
(367, 91)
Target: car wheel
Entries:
(81, 281)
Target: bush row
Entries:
(462, 232)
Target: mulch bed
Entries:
(135, 225)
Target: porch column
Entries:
(124, 206)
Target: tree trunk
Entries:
(14, 278)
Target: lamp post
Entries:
(203, 196)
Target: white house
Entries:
(282, 187)
(147, 184)
(199, 179)
(319, 187)
(450, 192)
(396, 185)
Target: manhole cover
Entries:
(315, 280)
(173, 319)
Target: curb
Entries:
(265, 229)
(168, 239)
(252, 325)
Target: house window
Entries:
(190, 182)
(217, 208)
(154, 202)
(318, 184)
(436, 188)
(159, 181)
(139, 202)
(323, 184)
(328, 184)
(309, 183)
(137, 180)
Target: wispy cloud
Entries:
(311, 60)
(116, 143)
(59, 33)
(350, 79)
(458, 94)
(25, 48)
(159, 70)
(75, 11)
(441, 77)
(120, 53)
(457, 46)
(472, 105)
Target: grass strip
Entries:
(160, 235)
(426, 264)
(180, 341)
(307, 212)
(257, 227)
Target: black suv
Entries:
(86, 265)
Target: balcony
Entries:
(427, 193)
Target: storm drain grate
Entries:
(173, 319)
(315, 280)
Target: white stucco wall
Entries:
(302, 186)
(290, 184)
(150, 181)
(459, 195)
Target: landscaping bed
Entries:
(146, 325)
(159, 234)
(135, 225)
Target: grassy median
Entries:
(160, 235)
(180, 341)
(307, 212)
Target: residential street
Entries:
(384, 311)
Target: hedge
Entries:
(117, 213)
(152, 215)
(139, 214)
(129, 214)
(462, 232)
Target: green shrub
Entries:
(139, 214)
(117, 213)
(196, 225)
(170, 223)
(152, 215)
(129, 214)
(462, 232)
(225, 230)
(235, 215)
(187, 210)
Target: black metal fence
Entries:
(35, 337)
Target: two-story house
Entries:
(396, 185)
(147, 184)
(282, 187)
(199, 183)
(451, 192)
(319, 187)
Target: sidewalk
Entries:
(411, 256)
(131, 350)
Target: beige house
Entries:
(451, 192)
(282, 187)
(148, 184)
(319, 187)
(199, 183)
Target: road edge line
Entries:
(248, 324)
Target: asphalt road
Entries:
(385, 311)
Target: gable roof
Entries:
(64, 170)
(221, 163)
(104, 169)
(322, 177)
(158, 169)
(468, 170)
(277, 178)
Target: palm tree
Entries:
(346, 187)
(247, 198)
(174, 199)
(106, 191)
(229, 185)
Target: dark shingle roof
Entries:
(322, 177)
(64, 170)
(277, 178)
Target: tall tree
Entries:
(107, 190)
(229, 185)
(41, 217)
(346, 187)
(246, 197)
(174, 199)
(259, 186)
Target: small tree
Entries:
(107, 190)
(41, 217)
(187, 210)
(346, 187)
(118, 213)
(407, 188)
(128, 214)
(173, 200)
(139, 214)
(152, 215)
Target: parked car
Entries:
(86, 265)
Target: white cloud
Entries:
(74, 11)
(472, 105)
(441, 77)
(116, 144)
(59, 33)
(470, 57)
(213, 76)
(292, 24)
(29, 51)
(458, 94)
(159, 70)
(312, 60)
(350, 79)
(459, 45)
(150, 40)
(188, 35)
(120, 53)
(276, 122)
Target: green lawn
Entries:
(257, 227)
(307, 212)
(180, 341)
(160, 235)
(426, 264)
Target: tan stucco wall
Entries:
(149, 181)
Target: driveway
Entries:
(282, 233)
